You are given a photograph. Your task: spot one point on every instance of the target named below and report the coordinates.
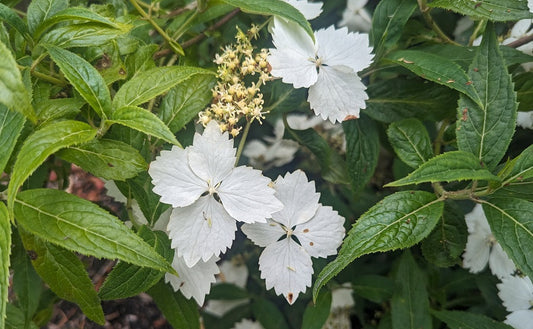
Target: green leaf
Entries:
(274, 8)
(72, 14)
(447, 167)
(127, 280)
(410, 301)
(522, 167)
(146, 85)
(316, 315)
(375, 288)
(400, 220)
(362, 150)
(468, 320)
(492, 10)
(268, 314)
(65, 274)
(82, 35)
(510, 222)
(524, 90)
(184, 101)
(79, 225)
(180, 312)
(388, 22)
(40, 10)
(58, 108)
(9, 16)
(5, 250)
(84, 78)
(486, 130)
(144, 121)
(518, 189)
(106, 158)
(396, 99)
(410, 141)
(13, 94)
(41, 144)
(333, 167)
(437, 69)
(444, 246)
(227, 291)
(11, 124)
(141, 60)
(15, 319)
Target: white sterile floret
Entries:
(247, 324)
(356, 17)
(286, 264)
(328, 67)
(193, 281)
(525, 120)
(482, 247)
(517, 296)
(530, 5)
(209, 194)
(310, 10)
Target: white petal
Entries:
(263, 234)
(292, 58)
(310, 10)
(221, 307)
(233, 273)
(287, 267)
(114, 192)
(360, 21)
(247, 197)
(521, 28)
(299, 197)
(356, 4)
(174, 180)
(247, 324)
(193, 281)
(516, 293)
(212, 155)
(254, 149)
(337, 93)
(339, 47)
(525, 120)
(476, 221)
(201, 230)
(500, 264)
(520, 319)
(476, 253)
(322, 235)
(342, 297)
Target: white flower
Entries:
(517, 296)
(530, 5)
(342, 297)
(482, 247)
(209, 194)
(284, 263)
(328, 67)
(525, 120)
(310, 10)
(356, 17)
(247, 324)
(193, 281)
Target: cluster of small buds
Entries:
(241, 72)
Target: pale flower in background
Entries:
(341, 304)
(482, 247)
(525, 120)
(286, 264)
(328, 67)
(356, 17)
(209, 194)
(310, 10)
(522, 29)
(247, 324)
(530, 5)
(517, 296)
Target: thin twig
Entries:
(520, 42)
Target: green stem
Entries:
(37, 61)
(478, 28)
(45, 77)
(183, 28)
(424, 9)
(243, 140)
(439, 140)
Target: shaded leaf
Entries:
(180, 312)
(5, 250)
(493, 10)
(315, 315)
(410, 141)
(11, 124)
(82, 35)
(9, 16)
(375, 288)
(468, 320)
(268, 314)
(388, 22)
(40, 10)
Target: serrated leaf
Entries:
(396, 99)
(58, 108)
(447, 167)
(11, 124)
(106, 158)
(510, 222)
(375, 288)
(492, 10)
(184, 101)
(41, 144)
(400, 220)
(410, 301)
(522, 167)
(65, 274)
(82, 35)
(13, 93)
(437, 69)
(144, 121)
(141, 60)
(315, 315)
(9, 16)
(79, 225)
(179, 311)
(274, 8)
(127, 280)
(268, 314)
(84, 78)
(444, 246)
(486, 130)
(40, 10)
(333, 167)
(5, 250)
(72, 14)
(362, 150)
(227, 291)
(388, 22)
(518, 189)
(410, 141)
(468, 320)
(15, 319)
(149, 84)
